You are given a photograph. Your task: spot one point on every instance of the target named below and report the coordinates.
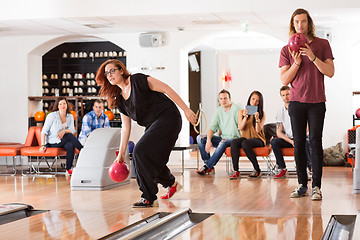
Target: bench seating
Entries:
(287, 152)
(13, 150)
(263, 152)
(33, 151)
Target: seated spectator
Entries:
(225, 120)
(58, 132)
(284, 135)
(93, 120)
(252, 134)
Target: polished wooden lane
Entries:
(244, 208)
(234, 226)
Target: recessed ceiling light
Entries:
(208, 22)
(5, 29)
(99, 25)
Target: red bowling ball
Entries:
(119, 172)
(297, 41)
(357, 113)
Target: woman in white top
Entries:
(58, 132)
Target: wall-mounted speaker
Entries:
(194, 65)
(151, 39)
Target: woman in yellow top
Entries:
(252, 134)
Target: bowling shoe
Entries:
(255, 174)
(236, 175)
(300, 191)
(205, 170)
(281, 174)
(68, 172)
(316, 194)
(170, 191)
(143, 203)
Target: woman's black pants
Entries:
(247, 145)
(151, 154)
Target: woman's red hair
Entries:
(110, 92)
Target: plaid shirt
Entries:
(90, 122)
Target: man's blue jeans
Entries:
(217, 142)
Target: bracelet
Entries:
(297, 64)
(43, 145)
(314, 59)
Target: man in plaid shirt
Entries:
(93, 120)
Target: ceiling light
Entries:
(99, 25)
(5, 29)
(208, 22)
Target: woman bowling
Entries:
(142, 98)
(58, 132)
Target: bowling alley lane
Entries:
(234, 226)
(96, 224)
(242, 209)
(69, 225)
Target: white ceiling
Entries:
(188, 22)
(111, 24)
(274, 23)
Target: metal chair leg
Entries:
(7, 173)
(270, 166)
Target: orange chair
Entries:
(33, 151)
(263, 152)
(8, 143)
(10, 151)
(287, 152)
(13, 149)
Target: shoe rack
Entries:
(70, 68)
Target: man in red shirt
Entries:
(304, 71)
